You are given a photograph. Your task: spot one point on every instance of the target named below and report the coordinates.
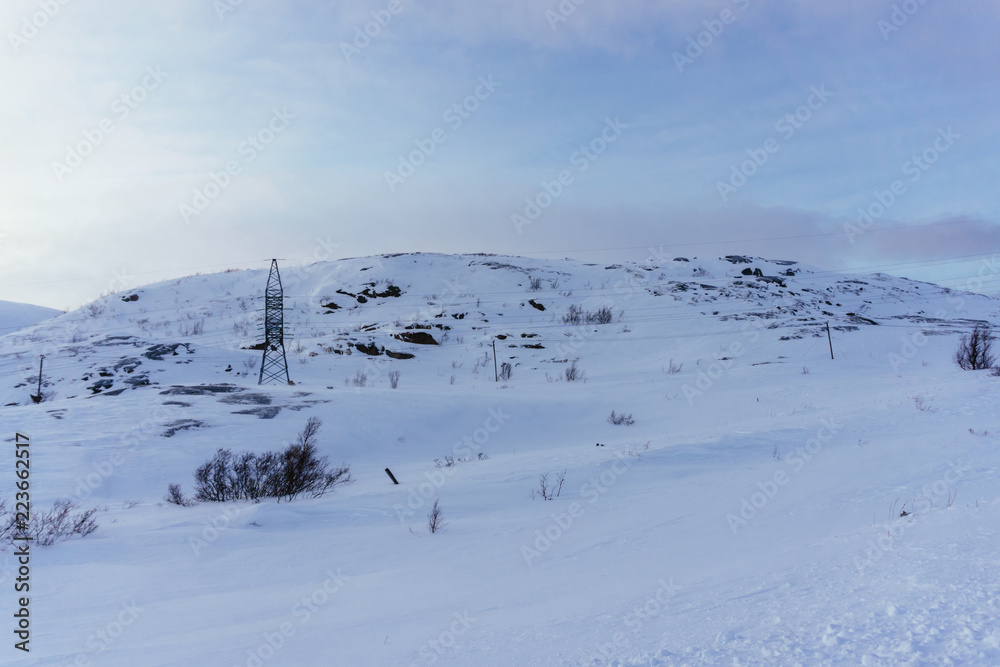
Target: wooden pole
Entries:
(38, 398)
(496, 375)
(829, 339)
(391, 476)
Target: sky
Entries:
(146, 141)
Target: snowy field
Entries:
(768, 506)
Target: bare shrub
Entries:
(576, 316)
(359, 380)
(573, 316)
(212, 479)
(573, 373)
(435, 518)
(298, 470)
(602, 315)
(249, 364)
(505, 371)
(447, 462)
(393, 379)
(176, 497)
(48, 527)
(975, 351)
(94, 309)
(534, 284)
(544, 491)
(621, 419)
(673, 368)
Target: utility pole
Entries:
(829, 339)
(37, 398)
(496, 376)
(274, 365)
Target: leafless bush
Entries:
(505, 371)
(94, 309)
(393, 379)
(242, 327)
(249, 364)
(602, 315)
(576, 316)
(975, 352)
(360, 379)
(573, 316)
(623, 418)
(435, 518)
(447, 462)
(573, 373)
(545, 490)
(176, 497)
(284, 475)
(534, 284)
(673, 368)
(49, 527)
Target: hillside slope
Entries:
(753, 513)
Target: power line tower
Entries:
(274, 366)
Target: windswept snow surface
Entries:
(15, 316)
(751, 515)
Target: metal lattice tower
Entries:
(274, 366)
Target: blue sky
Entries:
(222, 133)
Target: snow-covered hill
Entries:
(15, 316)
(751, 514)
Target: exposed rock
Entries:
(416, 337)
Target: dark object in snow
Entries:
(416, 337)
(391, 476)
